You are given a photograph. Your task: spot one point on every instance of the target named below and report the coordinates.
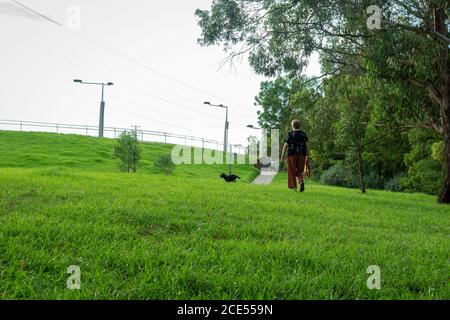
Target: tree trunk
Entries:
(444, 196)
(361, 174)
(444, 83)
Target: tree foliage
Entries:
(281, 101)
(164, 164)
(128, 152)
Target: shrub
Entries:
(164, 164)
(394, 184)
(316, 171)
(374, 180)
(346, 175)
(424, 176)
(339, 175)
(128, 152)
(437, 151)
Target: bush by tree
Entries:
(128, 152)
(346, 174)
(339, 175)
(424, 176)
(164, 164)
(394, 184)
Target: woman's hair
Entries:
(296, 124)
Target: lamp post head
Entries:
(250, 126)
(78, 81)
(110, 84)
(207, 102)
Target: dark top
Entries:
(297, 143)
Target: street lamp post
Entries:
(225, 135)
(101, 125)
(263, 143)
(250, 126)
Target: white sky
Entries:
(39, 60)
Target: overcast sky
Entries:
(39, 60)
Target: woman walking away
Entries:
(297, 155)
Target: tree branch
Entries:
(421, 30)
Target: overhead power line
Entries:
(144, 117)
(120, 108)
(141, 91)
(121, 105)
(123, 56)
(37, 13)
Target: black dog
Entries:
(230, 177)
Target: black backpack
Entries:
(299, 142)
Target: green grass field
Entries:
(191, 236)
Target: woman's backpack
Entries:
(298, 145)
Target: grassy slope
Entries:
(40, 150)
(193, 236)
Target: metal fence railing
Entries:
(114, 132)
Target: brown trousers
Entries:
(296, 166)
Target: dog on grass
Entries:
(229, 177)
